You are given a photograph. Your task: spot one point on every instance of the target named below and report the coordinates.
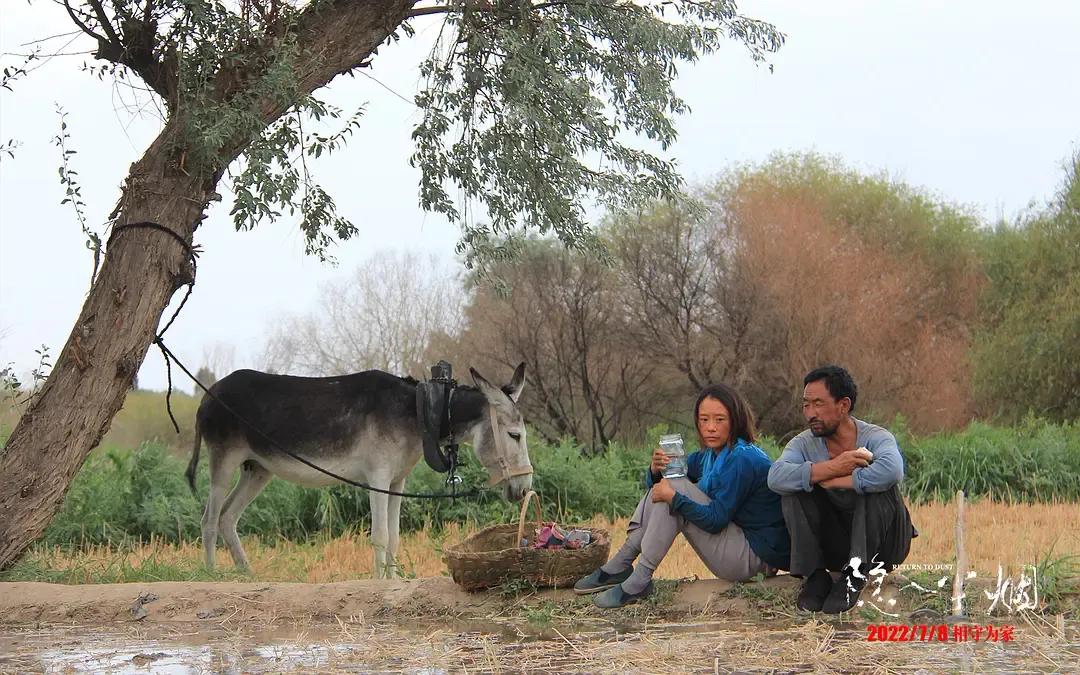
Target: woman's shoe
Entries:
(617, 597)
(600, 581)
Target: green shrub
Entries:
(122, 495)
(1032, 462)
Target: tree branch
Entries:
(135, 50)
(105, 24)
(479, 9)
(424, 11)
(335, 37)
(82, 26)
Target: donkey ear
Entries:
(490, 391)
(517, 382)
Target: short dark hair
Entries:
(837, 380)
(742, 417)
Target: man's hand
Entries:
(662, 491)
(659, 461)
(846, 462)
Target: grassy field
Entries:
(1009, 535)
(129, 515)
(140, 495)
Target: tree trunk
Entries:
(141, 271)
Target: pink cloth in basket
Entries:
(550, 535)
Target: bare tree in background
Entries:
(693, 305)
(667, 268)
(587, 380)
(218, 358)
(381, 316)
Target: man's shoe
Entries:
(600, 581)
(814, 591)
(617, 597)
(844, 594)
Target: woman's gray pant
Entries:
(653, 529)
(829, 528)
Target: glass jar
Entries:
(672, 446)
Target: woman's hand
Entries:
(662, 491)
(659, 461)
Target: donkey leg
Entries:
(393, 538)
(221, 470)
(253, 478)
(379, 534)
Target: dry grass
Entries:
(813, 646)
(355, 644)
(1012, 535)
(996, 533)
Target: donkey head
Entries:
(499, 440)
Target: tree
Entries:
(666, 259)
(863, 271)
(217, 360)
(206, 376)
(587, 379)
(693, 306)
(518, 96)
(779, 268)
(1027, 352)
(382, 316)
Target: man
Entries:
(841, 503)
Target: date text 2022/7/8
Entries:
(882, 632)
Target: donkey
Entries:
(361, 426)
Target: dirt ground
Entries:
(430, 625)
(34, 603)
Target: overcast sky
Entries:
(978, 102)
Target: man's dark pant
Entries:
(830, 527)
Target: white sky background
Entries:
(976, 101)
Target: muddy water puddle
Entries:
(452, 647)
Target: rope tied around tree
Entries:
(193, 257)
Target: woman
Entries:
(723, 507)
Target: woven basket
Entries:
(494, 556)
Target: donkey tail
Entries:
(194, 463)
